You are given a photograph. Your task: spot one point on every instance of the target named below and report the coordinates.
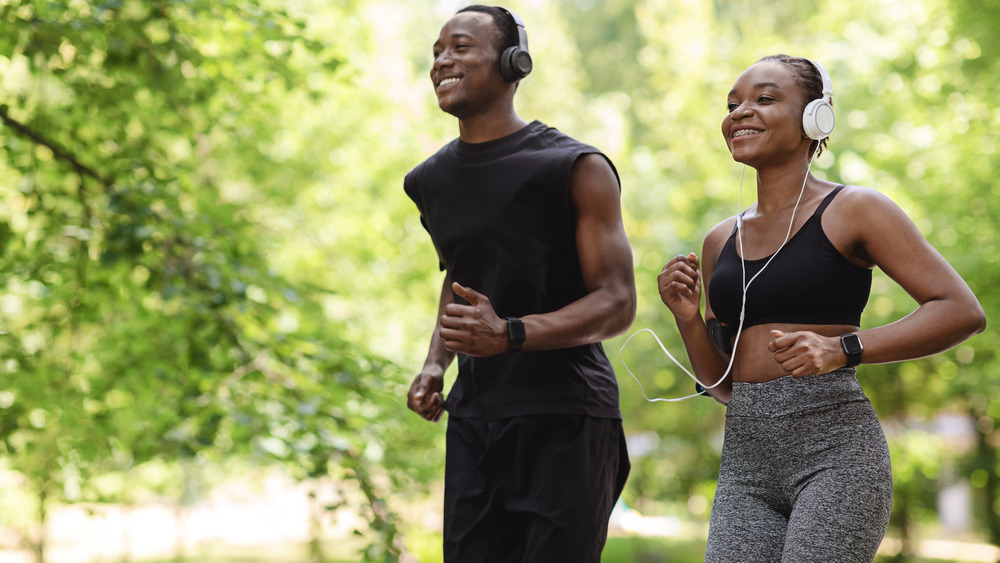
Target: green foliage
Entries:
(152, 310)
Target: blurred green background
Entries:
(211, 279)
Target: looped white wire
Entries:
(669, 355)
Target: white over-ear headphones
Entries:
(818, 118)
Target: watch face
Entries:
(515, 330)
(852, 344)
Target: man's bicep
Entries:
(605, 254)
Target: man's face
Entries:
(466, 70)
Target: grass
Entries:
(426, 548)
(634, 549)
(338, 551)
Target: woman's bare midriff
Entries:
(756, 364)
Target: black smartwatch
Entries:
(515, 333)
(852, 349)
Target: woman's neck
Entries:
(778, 187)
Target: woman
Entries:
(805, 469)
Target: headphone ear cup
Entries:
(515, 64)
(506, 70)
(818, 120)
(521, 62)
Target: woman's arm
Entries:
(947, 311)
(680, 285)
(874, 231)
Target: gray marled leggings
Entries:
(805, 474)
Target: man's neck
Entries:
(487, 127)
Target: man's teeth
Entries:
(447, 81)
(744, 133)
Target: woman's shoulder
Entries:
(722, 230)
(861, 212)
(860, 198)
(716, 238)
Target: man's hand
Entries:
(473, 329)
(425, 396)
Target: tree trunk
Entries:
(315, 526)
(986, 458)
(39, 545)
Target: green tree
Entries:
(151, 151)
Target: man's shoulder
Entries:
(556, 138)
(554, 146)
(571, 150)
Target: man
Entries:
(527, 225)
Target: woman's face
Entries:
(764, 123)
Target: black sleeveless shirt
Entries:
(500, 216)
(808, 282)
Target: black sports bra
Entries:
(808, 282)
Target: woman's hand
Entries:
(679, 284)
(806, 353)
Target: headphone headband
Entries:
(825, 77)
(519, 23)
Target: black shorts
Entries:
(531, 488)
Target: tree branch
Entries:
(57, 151)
